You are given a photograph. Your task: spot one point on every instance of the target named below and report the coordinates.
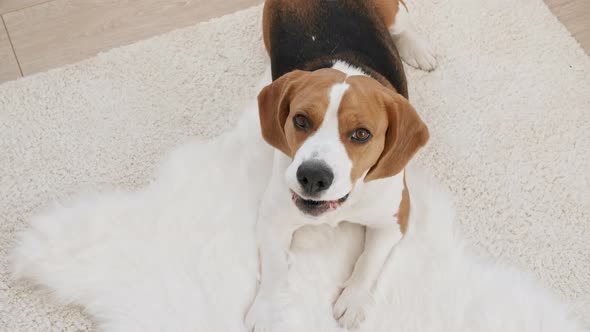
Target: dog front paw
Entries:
(352, 306)
(259, 316)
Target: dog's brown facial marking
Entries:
(362, 123)
(379, 128)
(292, 108)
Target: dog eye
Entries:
(301, 122)
(360, 135)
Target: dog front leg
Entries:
(274, 240)
(351, 306)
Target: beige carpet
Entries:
(508, 109)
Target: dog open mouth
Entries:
(316, 208)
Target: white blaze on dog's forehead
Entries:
(336, 94)
(328, 130)
(325, 145)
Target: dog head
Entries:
(339, 131)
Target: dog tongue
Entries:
(333, 204)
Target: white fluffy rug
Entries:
(508, 110)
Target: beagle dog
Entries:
(338, 114)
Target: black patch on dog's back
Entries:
(329, 30)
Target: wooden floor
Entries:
(36, 35)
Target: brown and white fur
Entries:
(343, 130)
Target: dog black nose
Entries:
(314, 177)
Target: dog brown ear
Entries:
(273, 108)
(406, 134)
